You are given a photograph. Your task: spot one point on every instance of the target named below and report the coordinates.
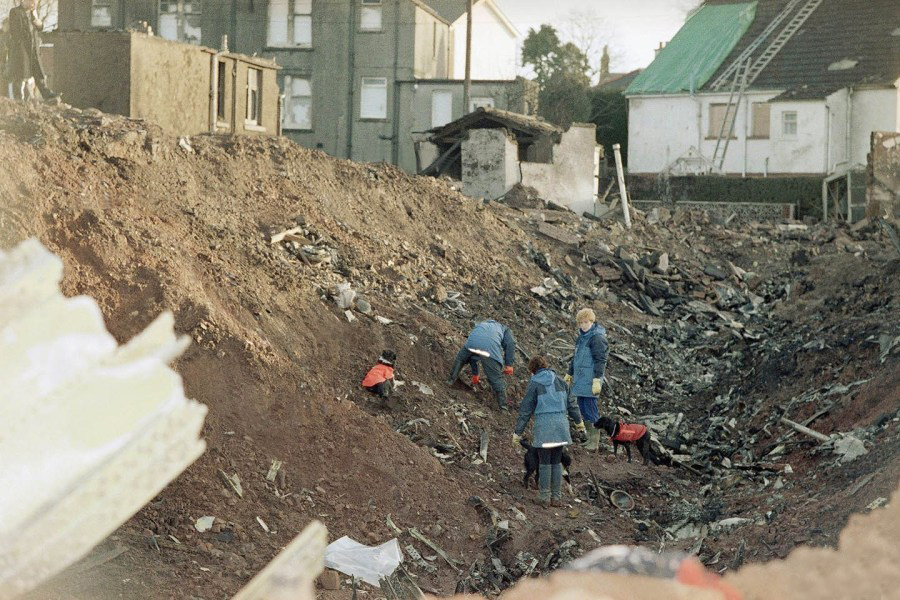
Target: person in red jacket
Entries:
(380, 378)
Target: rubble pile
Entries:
(292, 271)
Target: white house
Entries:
(811, 79)
(494, 39)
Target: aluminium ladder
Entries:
(728, 74)
(781, 39)
(738, 85)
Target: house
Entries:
(184, 88)
(494, 48)
(492, 150)
(785, 88)
(359, 77)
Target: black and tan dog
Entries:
(629, 435)
(533, 462)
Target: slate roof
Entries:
(450, 10)
(617, 82)
(837, 33)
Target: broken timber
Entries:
(483, 450)
(418, 535)
(805, 430)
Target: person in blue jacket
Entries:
(494, 346)
(548, 400)
(588, 369)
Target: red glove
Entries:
(507, 370)
(475, 379)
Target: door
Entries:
(441, 107)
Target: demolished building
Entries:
(492, 150)
(186, 89)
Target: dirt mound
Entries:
(721, 326)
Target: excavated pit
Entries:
(748, 323)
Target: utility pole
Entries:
(467, 86)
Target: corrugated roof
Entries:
(839, 33)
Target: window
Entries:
(290, 23)
(760, 120)
(789, 123)
(373, 98)
(476, 103)
(254, 85)
(179, 20)
(716, 118)
(370, 15)
(101, 13)
(441, 107)
(221, 77)
(297, 103)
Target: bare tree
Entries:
(591, 33)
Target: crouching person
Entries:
(380, 378)
(547, 399)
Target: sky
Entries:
(632, 28)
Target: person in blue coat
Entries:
(587, 370)
(547, 399)
(494, 346)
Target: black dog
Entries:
(533, 461)
(629, 435)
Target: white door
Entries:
(441, 107)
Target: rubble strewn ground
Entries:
(716, 330)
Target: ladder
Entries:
(781, 39)
(738, 85)
(728, 73)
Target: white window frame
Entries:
(181, 16)
(297, 16)
(101, 4)
(373, 7)
(287, 112)
(790, 124)
(369, 86)
(480, 101)
(253, 112)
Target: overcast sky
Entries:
(632, 28)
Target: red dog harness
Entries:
(629, 433)
(378, 374)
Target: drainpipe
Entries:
(395, 125)
(849, 122)
(827, 139)
(351, 78)
(747, 106)
(234, 96)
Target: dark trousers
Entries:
(382, 389)
(550, 456)
(493, 372)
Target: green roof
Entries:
(696, 51)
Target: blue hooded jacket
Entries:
(495, 339)
(589, 362)
(548, 400)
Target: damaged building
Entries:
(492, 150)
(186, 89)
(785, 89)
(359, 78)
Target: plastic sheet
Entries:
(369, 563)
(697, 50)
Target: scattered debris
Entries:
(204, 524)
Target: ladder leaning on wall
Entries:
(738, 86)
